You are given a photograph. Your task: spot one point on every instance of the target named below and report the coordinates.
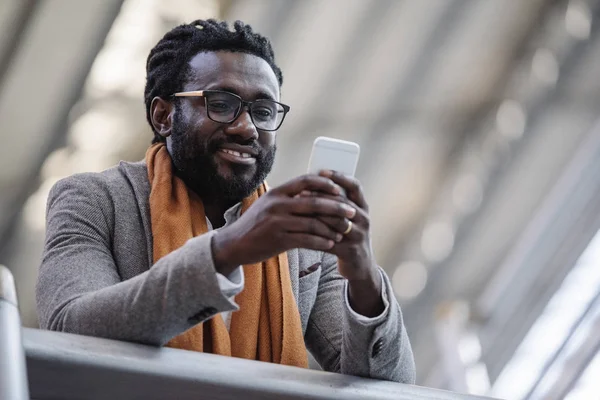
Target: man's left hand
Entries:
(356, 261)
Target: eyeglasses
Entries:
(225, 107)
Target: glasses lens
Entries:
(267, 115)
(222, 107)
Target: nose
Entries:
(243, 127)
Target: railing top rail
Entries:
(13, 376)
(69, 366)
(7, 286)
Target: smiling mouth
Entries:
(237, 157)
(236, 153)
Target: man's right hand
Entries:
(281, 220)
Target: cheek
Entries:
(194, 132)
(267, 139)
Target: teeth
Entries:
(236, 153)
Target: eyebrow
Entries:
(260, 95)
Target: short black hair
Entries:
(167, 64)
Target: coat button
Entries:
(202, 315)
(210, 311)
(377, 348)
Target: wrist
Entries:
(223, 253)
(364, 295)
(370, 284)
(362, 272)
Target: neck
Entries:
(215, 208)
(214, 204)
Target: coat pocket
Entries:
(309, 278)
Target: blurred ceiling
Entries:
(46, 51)
(475, 121)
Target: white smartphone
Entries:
(334, 154)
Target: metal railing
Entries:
(67, 366)
(54, 365)
(13, 376)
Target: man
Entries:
(152, 252)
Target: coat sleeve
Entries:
(80, 291)
(376, 348)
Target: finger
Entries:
(308, 182)
(337, 224)
(352, 186)
(357, 231)
(308, 193)
(316, 205)
(341, 198)
(308, 241)
(313, 226)
(361, 215)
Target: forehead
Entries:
(246, 75)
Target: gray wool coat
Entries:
(95, 279)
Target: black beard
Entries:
(195, 164)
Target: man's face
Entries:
(198, 145)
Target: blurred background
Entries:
(480, 155)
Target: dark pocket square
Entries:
(310, 269)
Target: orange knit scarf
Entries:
(267, 327)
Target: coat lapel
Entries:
(137, 174)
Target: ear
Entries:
(161, 112)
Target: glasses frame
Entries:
(244, 105)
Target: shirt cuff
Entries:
(366, 320)
(233, 284)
